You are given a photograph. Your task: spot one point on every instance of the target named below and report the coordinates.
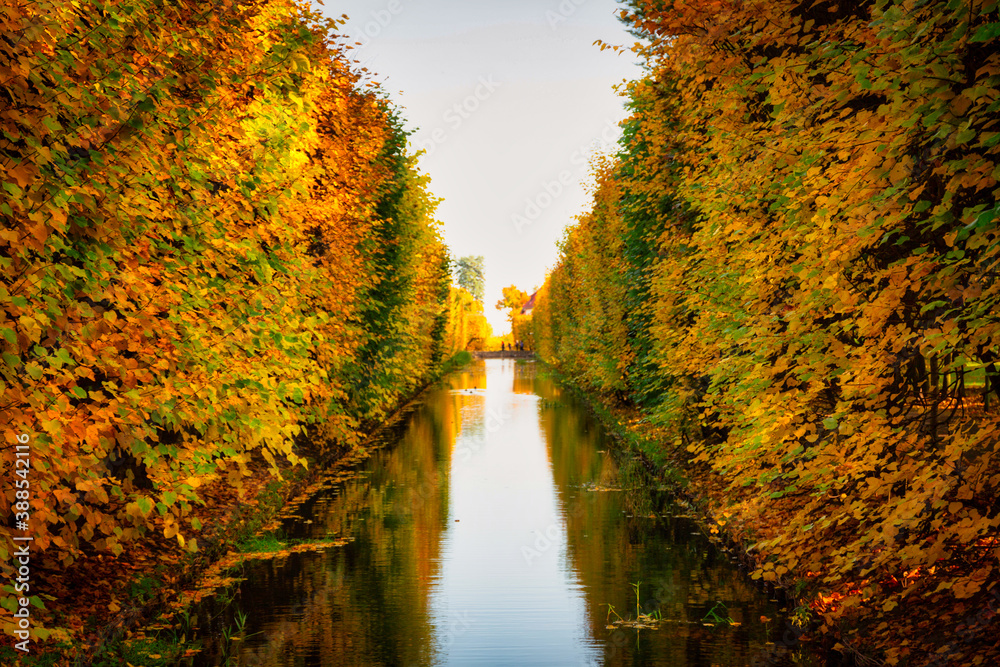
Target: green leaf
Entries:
(986, 32)
(830, 423)
(983, 220)
(965, 136)
(145, 505)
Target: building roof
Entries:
(529, 305)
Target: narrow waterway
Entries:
(494, 525)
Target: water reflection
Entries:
(624, 536)
(493, 526)
(505, 575)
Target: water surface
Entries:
(494, 524)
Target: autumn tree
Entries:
(213, 243)
(801, 226)
(469, 329)
(513, 300)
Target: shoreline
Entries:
(150, 584)
(681, 485)
(847, 638)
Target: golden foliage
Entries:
(212, 241)
(802, 228)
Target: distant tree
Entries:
(520, 325)
(471, 274)
(513, 300)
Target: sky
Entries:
(509, 99)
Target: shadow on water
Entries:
(494, 525)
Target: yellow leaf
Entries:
(23, 173)
(965, 589)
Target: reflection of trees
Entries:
(524, 377)
(366, 603)
(611, 543)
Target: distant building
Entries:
(529, 305)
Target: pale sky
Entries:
(509, 99)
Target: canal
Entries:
(495, 524)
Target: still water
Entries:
(494, 524)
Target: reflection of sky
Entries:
(505, 595)
(554, 100)
(522, 578)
